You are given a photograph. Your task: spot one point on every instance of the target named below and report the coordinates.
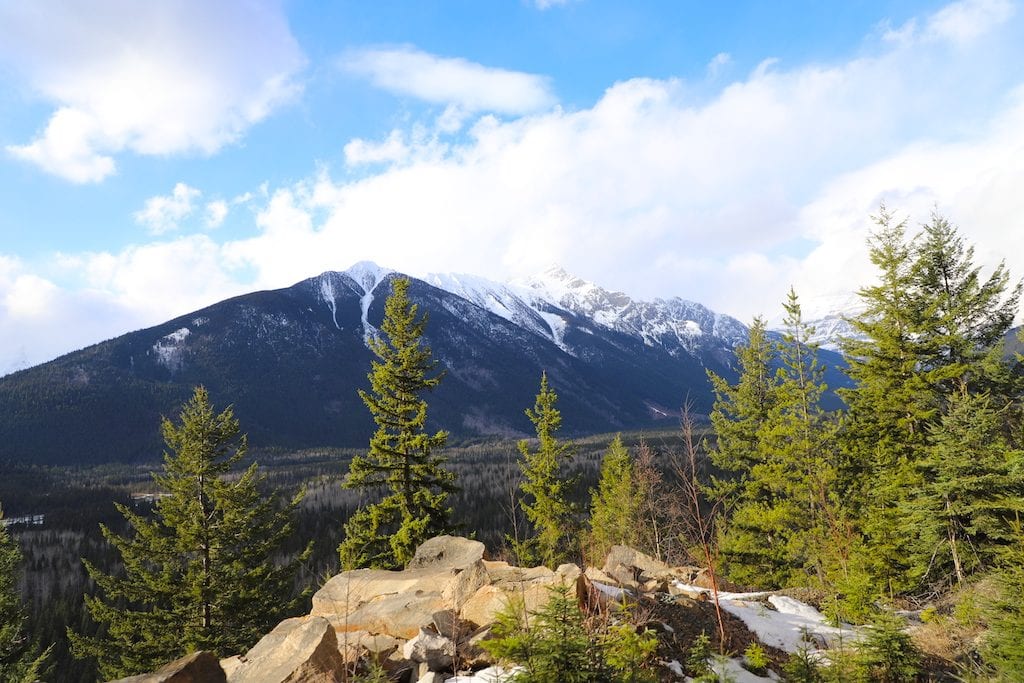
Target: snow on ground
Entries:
(492, 674)
(792, 625)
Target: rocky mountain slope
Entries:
(291, 360)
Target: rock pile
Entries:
(422, 623)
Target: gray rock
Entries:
(447, 551)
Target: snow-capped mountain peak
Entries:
(367, 274)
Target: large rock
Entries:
(199, 667)
(301, 649)
(445, 573)
(529, 589)
(641, 565)
(447, 551)
(431, 648)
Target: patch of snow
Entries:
(327, 293)
(492, 674)
(730, 669)
(367, 275)
(790, 626)
(200, 321)
(613, 592)
(170, 350)
(557, 325)
(675, 667)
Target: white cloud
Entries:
(717, 64)
(162, 214)
(150, 78)
(726, 201)
(216, 212)
(966, 20)
(446, 80)
(391, 150)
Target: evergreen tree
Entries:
(777, 442)
(204, 573)
(1005, 612)
(402, 457)
(615, 504)
(19, 662)
(545, 498)
(963, 318)
(973, 489)
(929, 326)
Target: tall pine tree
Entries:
(777, 443)
(402, 458)
(545, 491)
(205, 573)
(615, 504)
(931, 327)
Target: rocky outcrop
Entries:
(426, 621)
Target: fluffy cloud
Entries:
(726, 199)
(150, 78)
(216, 212)
(445, 80)
(162, 214)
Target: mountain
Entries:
(291, 361)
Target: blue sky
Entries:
(158, 157)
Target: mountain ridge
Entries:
(291, 360)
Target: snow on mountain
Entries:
(670, 323)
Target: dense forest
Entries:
(907, 498)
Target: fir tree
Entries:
(615, 504)
(972, 487)
(1005, 612)
(545, 498)
(401, 457)
(930, 326)
(19, 661)
(779, 448)
(204, 573)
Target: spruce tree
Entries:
(930, 326)
(205, 572)
(885, 430)
(19, 661)
(973, 490)
(777, 443)
(545, 491)
(615, 504)
(401, 458)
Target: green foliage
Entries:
(972, 487)
(19, 661)
(801, 667)
(557, 643)
(698, 658)
(755, 658)
(778, 444)
(887, 653)
(205, 572)
(401, 457)
(545, 499)
(931, 328)
(1005, 613)
(616, 503)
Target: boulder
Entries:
(198, 667)
(449, 552)
(399, 615)
(299, 649)
(431, 648)
(637, 565)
